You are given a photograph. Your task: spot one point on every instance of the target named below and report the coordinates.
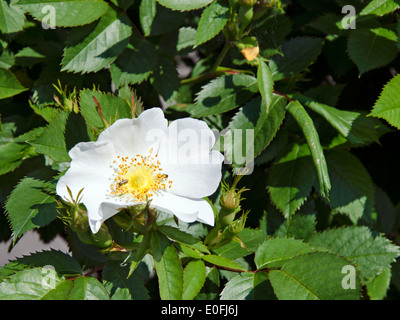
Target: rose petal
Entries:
(136, 136)
(186, 209)
(90, 169)
(187, 159)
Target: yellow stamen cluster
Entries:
(138, 178)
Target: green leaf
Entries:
(81, 288)
(194, 277)
(52, 141)
(212, 21)
(181, 41)
(184, 5)
(290, 179)
(68, 13)
(12, 155)
(252, 116)
(113, 108)
(135, 63)
(60, 292)
(224, 94)
(139, 254)
(62, 262)
(371, 254)
(116, 281)
(123, 4)
(9, 85)
(166, 20)
(272, 29)
(222, 262)
(247, 286)
(352, 188)
(354, 126)
(372, 48)
(147, 13)
(380, 7)
(14, 150)
(29, 284)
(327, 23)
(251, 238)
(265, 83)
(93, 47)
(299, 227)
(183, 237)
(12, 18)
(210, 289)
(29, 206)
(388, 105)
(298, 54)
(7, 59)
(313, 276)
(275, 252)
(324, 93)
(377, 288)
(168, 267)
(88, 256)
(29, 56)
(306, 124)
(166, 79)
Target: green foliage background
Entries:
(324, 104)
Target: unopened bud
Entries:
(245, 16)
(230, 203)
(238, 225)
(103, 237)
(230, 200)
(80, 221)
(123, 219)
(248, 3)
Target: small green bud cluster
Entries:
(139, 219)
(230, 203)
(67, 101)
(75, 216)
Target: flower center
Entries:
(138, 178)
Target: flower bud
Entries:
(238, 225)
(230, 203)
(103, 237)
(271, 3)
(142, 218)
(68, 101)
(80, 221)
(123, 219)
(86, 237)
(230, 200)
(248, 3)
(245, 15)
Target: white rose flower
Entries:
(138, 160)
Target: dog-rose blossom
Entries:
(141, 160)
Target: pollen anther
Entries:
(138, 178)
